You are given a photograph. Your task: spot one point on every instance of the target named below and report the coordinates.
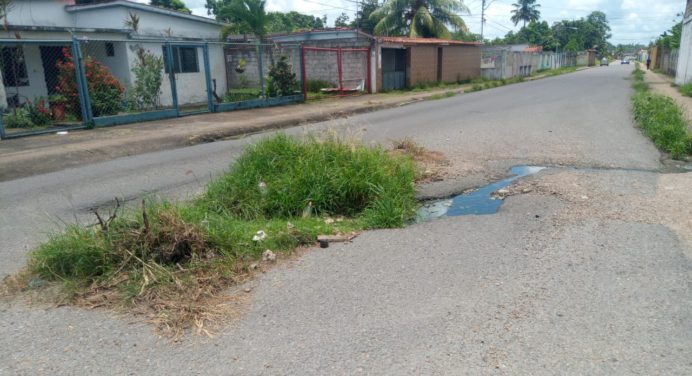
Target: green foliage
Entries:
(186, 252)
(686, 89)
(280, 22)
(281, 81)
(363, 21)
(148, 72)
(243, 94)
(526, 11)
(671, 39)
(244, 16)
(419, 18)
(342, 20)
(315, 86)
(176, 5)
(29, 115)
(661, 119)
(322, 177)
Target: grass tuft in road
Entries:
(686, 89)
(173, 262)
(483, 84)
(660, 118)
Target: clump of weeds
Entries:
(172, 264)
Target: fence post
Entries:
(341, 77)
(260, 66)
(82, 86)
(369, 75)
(207, 77)
(171, 77)
(2, 128)
(302, 72)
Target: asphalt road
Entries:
(583, 275)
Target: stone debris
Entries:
(268, 255)
(329, 221)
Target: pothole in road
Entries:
(477, 202)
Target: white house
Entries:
(104, 35)
(684, 69)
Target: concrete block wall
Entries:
(422, 65)
(460, 63)
(319, 65)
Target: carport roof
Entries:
(424, 41)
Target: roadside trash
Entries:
(290, 225)
(329, 221)
(324, 243)
(268, 255)
(62, 133)
(307, 212)
(259, 236)
(263, 188)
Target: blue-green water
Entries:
(476, 202)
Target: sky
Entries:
(632, 21)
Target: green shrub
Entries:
(148, 72)
(17, 118)
(281, 81)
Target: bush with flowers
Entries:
(105, 92)
(29, 115)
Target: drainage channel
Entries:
(477, 202)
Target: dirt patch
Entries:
(643, 197)
(433, 165)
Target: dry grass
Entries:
(432, 165)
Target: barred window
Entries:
(14, 67)
(184, 59)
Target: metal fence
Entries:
(56, 85)
(340, 71)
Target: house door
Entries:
(393, 69)
(439, 64)
(50, 55)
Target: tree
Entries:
(176, 5)
(583, 34)
(342, 20)
(525, 10)
(279, 22)
(244, 17)
(419, 18)
(363, 20)
(538, 34)
(671, 39)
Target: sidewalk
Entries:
(663, 84)
(34, 155)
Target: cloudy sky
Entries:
(631, 20)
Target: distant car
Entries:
(605, 62)
(624, 62)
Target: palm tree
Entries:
(419, 18)
(525, 10)
(245, 16)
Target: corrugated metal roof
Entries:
(422, 41)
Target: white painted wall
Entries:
(34, 69)
(52, 13)
(684, 70)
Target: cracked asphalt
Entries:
(588, 272)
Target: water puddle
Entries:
(476, 202)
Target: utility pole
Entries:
(482, 19)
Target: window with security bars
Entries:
(184, 59)
(14, 71)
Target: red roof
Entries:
(419, 41)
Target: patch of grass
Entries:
(172, 262)
(315, 86)
(242, 94)
(446, 94)
(686, 89)
(661, 118)
(484, 84)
